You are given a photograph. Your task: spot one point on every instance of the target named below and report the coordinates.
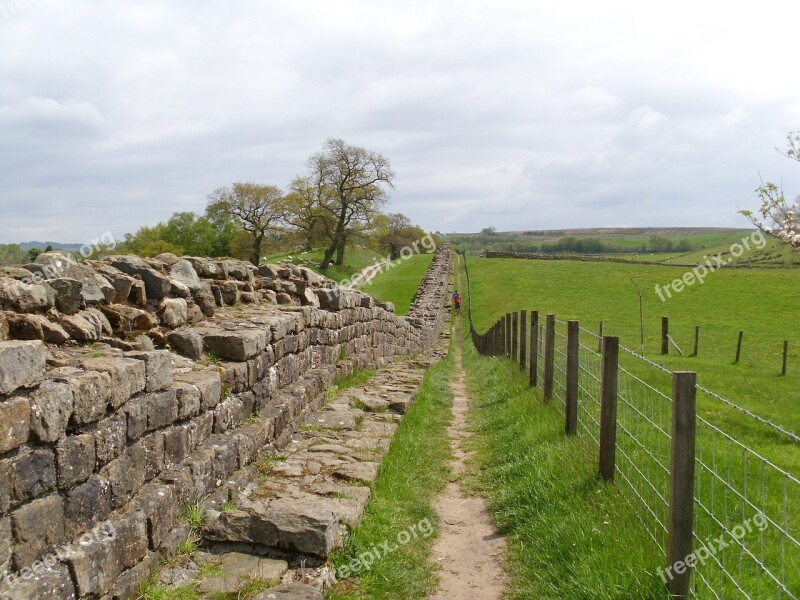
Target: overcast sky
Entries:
(521, 115)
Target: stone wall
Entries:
(129, 388)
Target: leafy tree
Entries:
(779, 219)
(12, 254)
(488, 231)
(33, 253)
(256, 208)
(396, 232)
(350, 183)
(303, 211)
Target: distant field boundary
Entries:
(586, 258)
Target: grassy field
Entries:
(399, 284)
(402, 497)
(760, 302)
(355, 259)
(569, 534)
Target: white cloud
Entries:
(516, 114)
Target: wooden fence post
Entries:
(549, 356)
(681, 488)
(608, 407)
(739, 346)
(508, 334)
(696, 339)
(533, 376)
(664, 335)
(514, 335)
(573, 372)
(523, 338)
(785, 355)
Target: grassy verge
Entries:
(399, 283)
(569, 534)
(413, 472)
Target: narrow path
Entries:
(469, 550)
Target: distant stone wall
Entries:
(131, 387)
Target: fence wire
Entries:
(746, 507)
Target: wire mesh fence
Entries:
(746, 501)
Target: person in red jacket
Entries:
(457, 301)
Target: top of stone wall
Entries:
(58, 300)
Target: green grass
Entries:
(399, 284)
(396, 284)
(762, 303)
(758, 301)
(355, 259)
(569, 534)
(413, 472)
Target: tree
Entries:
(12, 254)
(304, 213)
(396, 232)
(350, 187)
(256, 208)
(779, 219)
(488, 231)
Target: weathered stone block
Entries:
(15, 423)
(91, 394)
(161, 506)
(201, 469)
(123, 318)
(37, 527)
(173, 312)
(6, 485)
(51, 581)
(22, 365)
(209, 384)
(153, 448)
(33, 474)
(237, 345)
(228, 414)
(189, 398)
(68, 294)
(309, 526)
(119, 281)
(5, 543)
(110, 437)
(207, 269)
(225, 458)
(187, 343)
(87, 505)
(184, 272)
(156, 284)
(158, 368)
(18, 296)
(97, 566)
(75, 459)
(177, 444)
(79, 328)
(51, 409)
(127, 376)
(126, 475)
(200, 429)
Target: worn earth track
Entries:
(469, 549)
